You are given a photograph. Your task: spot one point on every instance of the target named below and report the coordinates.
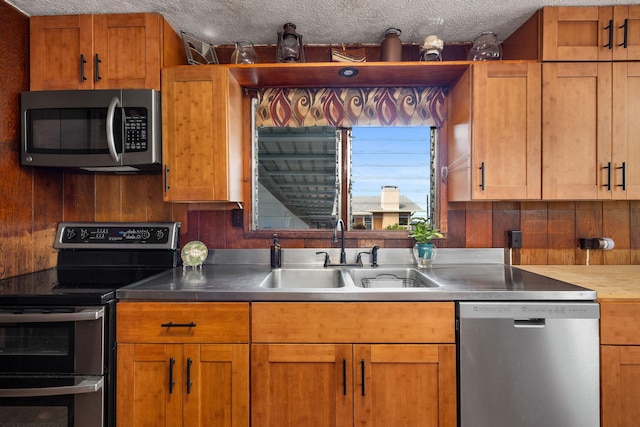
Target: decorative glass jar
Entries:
(485, 48)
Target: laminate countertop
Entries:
(611, 282)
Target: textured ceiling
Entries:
(320, 21)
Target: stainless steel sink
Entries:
(304, 278)
(391, 278)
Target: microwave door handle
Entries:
(115, 102)
(87, 385)
(89, 314)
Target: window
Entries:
(374, 178)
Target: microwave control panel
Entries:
(136, 129)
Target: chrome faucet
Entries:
(343, 254)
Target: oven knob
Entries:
(159, 234)
(71, 233)
(146, 235)
(84, 233)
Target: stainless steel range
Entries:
(57, 326)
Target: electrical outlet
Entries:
(237, 218)
(514, 239)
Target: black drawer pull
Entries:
(178, 325)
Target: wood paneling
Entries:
(31, 199)
(550, 231)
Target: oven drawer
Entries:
(164, 322)
(66, 401)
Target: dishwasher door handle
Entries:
(529, 323)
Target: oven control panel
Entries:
(110, 235)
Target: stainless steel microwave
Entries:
(112, 131)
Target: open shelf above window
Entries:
(369, 74)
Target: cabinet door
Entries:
(61, 52)
(625, 132)
(201, 134)
(577, 33)
(506, 131)
(620, 379)
(626, 21)
(216, 387)
(306, 385)
(576, 139)
(405, 385)
(128, 47)
(150, 380)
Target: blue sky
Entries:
(379, 153)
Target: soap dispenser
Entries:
(276, 253)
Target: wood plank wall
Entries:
(33, 201)
(550, 231)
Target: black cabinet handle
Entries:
(625, 26)
(172, 383)
(344, 376)
(624, 176)
(608, 184)
(362, 369)
(178, 325)
(189, 383)
(166, 179)
(481, 176)
(96, 69)
(610, 28)
(82, 62)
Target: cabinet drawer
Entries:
(371, 322)
(162, 322)
(619, 323)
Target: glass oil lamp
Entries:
(289, 48)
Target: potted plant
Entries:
(424, 251)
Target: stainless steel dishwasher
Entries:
(526, 364)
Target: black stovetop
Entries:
(69, 287)
(94, 260)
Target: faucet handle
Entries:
(327, 261)
(359, 257)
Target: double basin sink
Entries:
(336, 278)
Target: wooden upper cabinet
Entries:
(588, 144)
(497, 157)
(576, 33)
(626, 39)
(61, 52)
(584, 33)
(123, 51)
(201, 134)
(576, 143)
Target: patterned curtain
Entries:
(348, 107)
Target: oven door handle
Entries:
(87, 385)
(86, 314)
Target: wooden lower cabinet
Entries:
(620, 363)
(327, 385)
(347, 364)
(182, 385)
(194, 373)
(620, 379)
